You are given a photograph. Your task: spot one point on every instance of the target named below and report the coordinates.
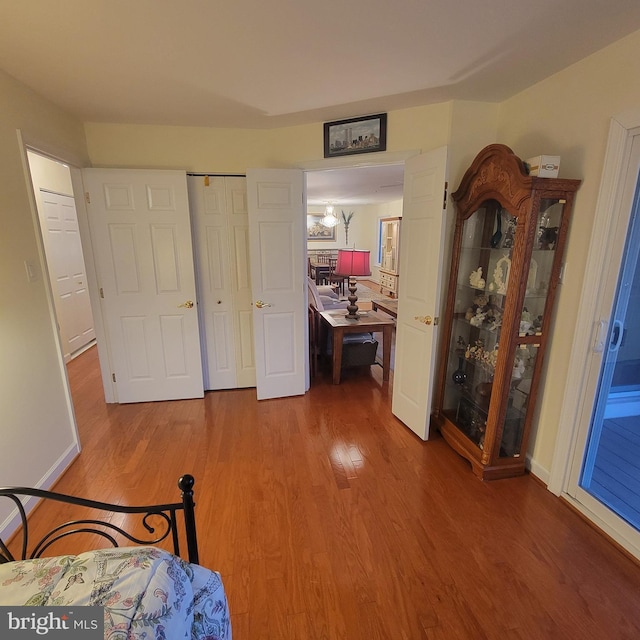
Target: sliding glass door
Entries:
(611, 466)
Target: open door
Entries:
(141, 237)
(422, 239)
(277, 240)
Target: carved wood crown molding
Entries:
(497, 171)
(492, 174)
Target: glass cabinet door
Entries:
(488, 237)
(518, 401)
(541, 265)
(533, 322)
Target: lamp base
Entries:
(353, 298)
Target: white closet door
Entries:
(238, 230)
(220, 220)
(141, 234)
(65, 262)
(276, 232)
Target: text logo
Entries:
(53, 623)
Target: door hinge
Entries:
(102, 293)
(87, 197)
(113, 377)
(444, 200)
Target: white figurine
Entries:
(501, 274)
(478, 318)
(518, 369)
(476, 280)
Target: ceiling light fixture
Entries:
(330, 219)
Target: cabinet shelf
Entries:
(474, 290)
(485, 328)
(509, 239)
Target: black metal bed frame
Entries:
(166, 512)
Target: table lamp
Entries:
(352, 263)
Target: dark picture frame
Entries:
(317, 231)
(355, 135)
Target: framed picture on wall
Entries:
(317, 231)
(355, 135)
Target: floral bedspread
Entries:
(146, 592)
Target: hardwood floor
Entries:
(327, 518)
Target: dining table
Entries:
(319, 271)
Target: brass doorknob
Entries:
(261, 305)
(187, 305)
(424, 319)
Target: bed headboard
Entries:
(164, 514)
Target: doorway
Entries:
(361, 196)
(422, 240)
(59, 230)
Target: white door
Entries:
(277, 241)
(221, 242)
(141, 235)
(239, 252)
(422, 239)
(65, 263)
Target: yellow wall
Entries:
(569, 115)
(37, 430)
(201, 149)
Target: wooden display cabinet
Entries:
(509, 240)
(389, 255)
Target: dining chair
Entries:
(336, 279)
(321, 270)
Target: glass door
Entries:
(611, 466)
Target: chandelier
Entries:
(330, 219)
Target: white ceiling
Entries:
(251, 63)
(355, 186)
(257, 64)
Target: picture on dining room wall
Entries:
(317, 231)
(355, 135)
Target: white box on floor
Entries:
(544, 166)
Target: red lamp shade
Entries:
(352, 262)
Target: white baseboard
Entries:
(13, 522)
(538, 470)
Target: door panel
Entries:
(236, 192)
(65, 262)
(140, 229)
(419, 297)
(164, 246)
(221, 234)
(277, 240)
(208, 206)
